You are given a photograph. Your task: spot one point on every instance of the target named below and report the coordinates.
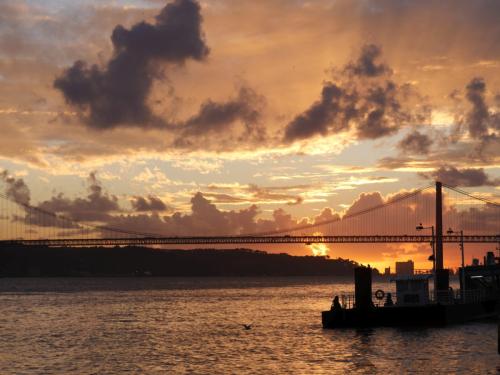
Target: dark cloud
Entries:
(236, 120)
(415, 143)
(117, 93)
(487, 149)
(466, 177)
(215, 117)
(366, 64)
(481, 120)
(150, 203)
(321, 118)
(382, 112)
(478, 116)
(15, 188)
(364, 97)
(473, 141)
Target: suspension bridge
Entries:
(394, 220)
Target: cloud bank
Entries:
(117, 93)
(364, 98)
(466, 177)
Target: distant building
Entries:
(387, 271)
(405, 268)
(489, 259)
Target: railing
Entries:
(348, 301)
(466, 296)
(243, 240)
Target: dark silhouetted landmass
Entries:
(140, 261)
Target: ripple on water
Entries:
(111, 326)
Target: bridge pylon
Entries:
(439, 226)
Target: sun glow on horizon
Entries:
(319, 249)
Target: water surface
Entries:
(193, 325)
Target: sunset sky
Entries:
(235, 114)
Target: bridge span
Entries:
(222, 240)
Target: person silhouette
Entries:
(388, 300)
(336, 304)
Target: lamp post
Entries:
(462, 273)
(421, 227)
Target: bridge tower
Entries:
(442, 276)
(439, 226)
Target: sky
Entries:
(191, 117)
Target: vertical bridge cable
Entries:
(395, 216)
(472, 213)
(379, 219)
(22, 221)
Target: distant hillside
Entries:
(140, 261)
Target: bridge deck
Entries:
(197, 240)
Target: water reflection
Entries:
(193, 326)
(362, 350)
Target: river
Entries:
(194, 325)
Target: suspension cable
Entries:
(75, 223)
(472, 196)
(348, 216)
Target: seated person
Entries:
(336, 304)
(388, 300)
